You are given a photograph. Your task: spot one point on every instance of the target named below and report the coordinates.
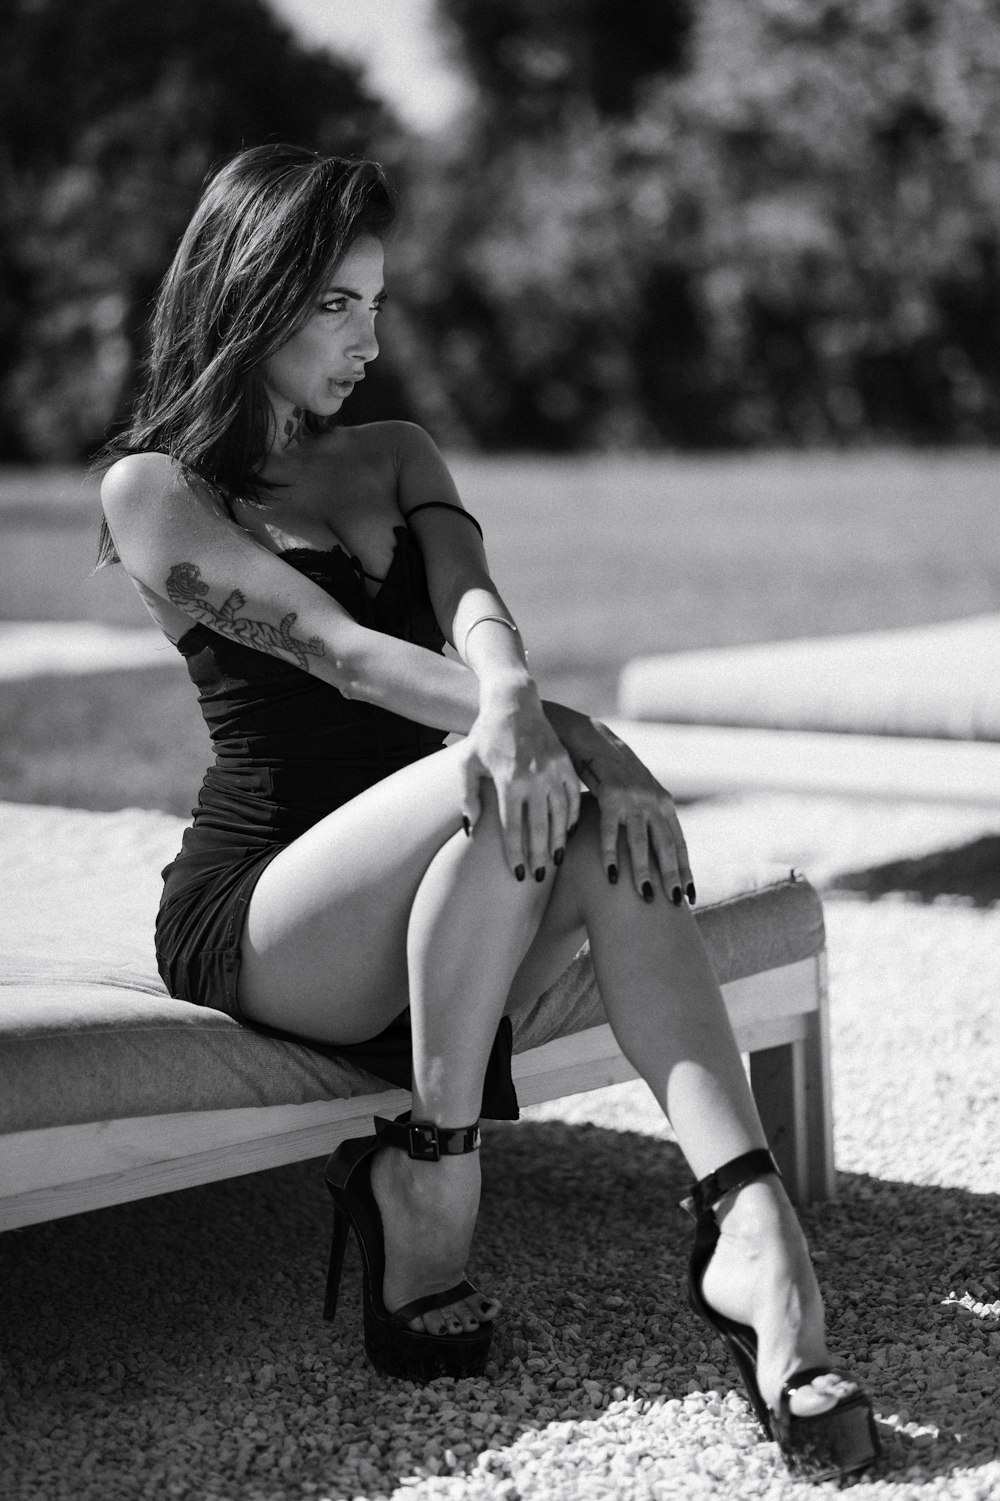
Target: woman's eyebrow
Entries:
(355, 296)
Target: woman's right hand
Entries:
(513, 745)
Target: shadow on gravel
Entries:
(969, 870)
(174, 1346)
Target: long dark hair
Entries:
(269, 226)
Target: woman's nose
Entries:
(364, 344)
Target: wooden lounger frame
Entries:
(780, 1018)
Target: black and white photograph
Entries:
(499, 750)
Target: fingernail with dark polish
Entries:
(647, 891)
(466, 825)
(540, 873)
(613, 874)
(676, 895)
(519, 872)
(558, 856)
(691, 895)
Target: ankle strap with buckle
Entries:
(726, 1179)
(424, 1141)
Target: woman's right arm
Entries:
(176, 543)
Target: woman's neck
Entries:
(290, 429)
(288, 424)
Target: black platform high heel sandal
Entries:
(390, 1344)
(830, 1444)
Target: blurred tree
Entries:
(533, 58)
(110, 115)
(660, 223)
(723, 225)
(521, 275)
(829, 172)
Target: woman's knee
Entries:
(583, 849)
(490, 839)
(595, 870)
(561, 897)
(486, 860)
(590, 815)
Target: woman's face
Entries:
(319, 366)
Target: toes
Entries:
(464, 1316)
(456, 1318)
(478, 1310)
(833, 1384)
(838, 1387)
(821, 1394)
(436, 1321)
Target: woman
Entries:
(343, 863)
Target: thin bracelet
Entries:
(500, 619)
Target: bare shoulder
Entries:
(393, 439)
(136, 475)
(145, 492)
(138, 480)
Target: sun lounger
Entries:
(907, 714)
(110, 1090)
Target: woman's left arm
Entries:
(511, 742)
(458, 574)
(464, 596)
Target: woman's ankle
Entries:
(438, 1105)
(429, 1181)
(760, 1209)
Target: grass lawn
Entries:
(105, 740)
(600, 558)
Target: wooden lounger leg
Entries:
(791, 1084)
(821, 1176)
(777, 1083)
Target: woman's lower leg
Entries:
(470, 925)
(668, 1015)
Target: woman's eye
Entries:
(339, 305)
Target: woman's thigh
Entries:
(324, 945)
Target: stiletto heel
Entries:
(837, 1442)
(390, 1344)
(341, 1230)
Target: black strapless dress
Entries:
(289, 749)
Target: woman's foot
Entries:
(760, 1274)
(429, 1212)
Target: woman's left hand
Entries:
(632, 801)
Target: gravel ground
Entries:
(173, 1347)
